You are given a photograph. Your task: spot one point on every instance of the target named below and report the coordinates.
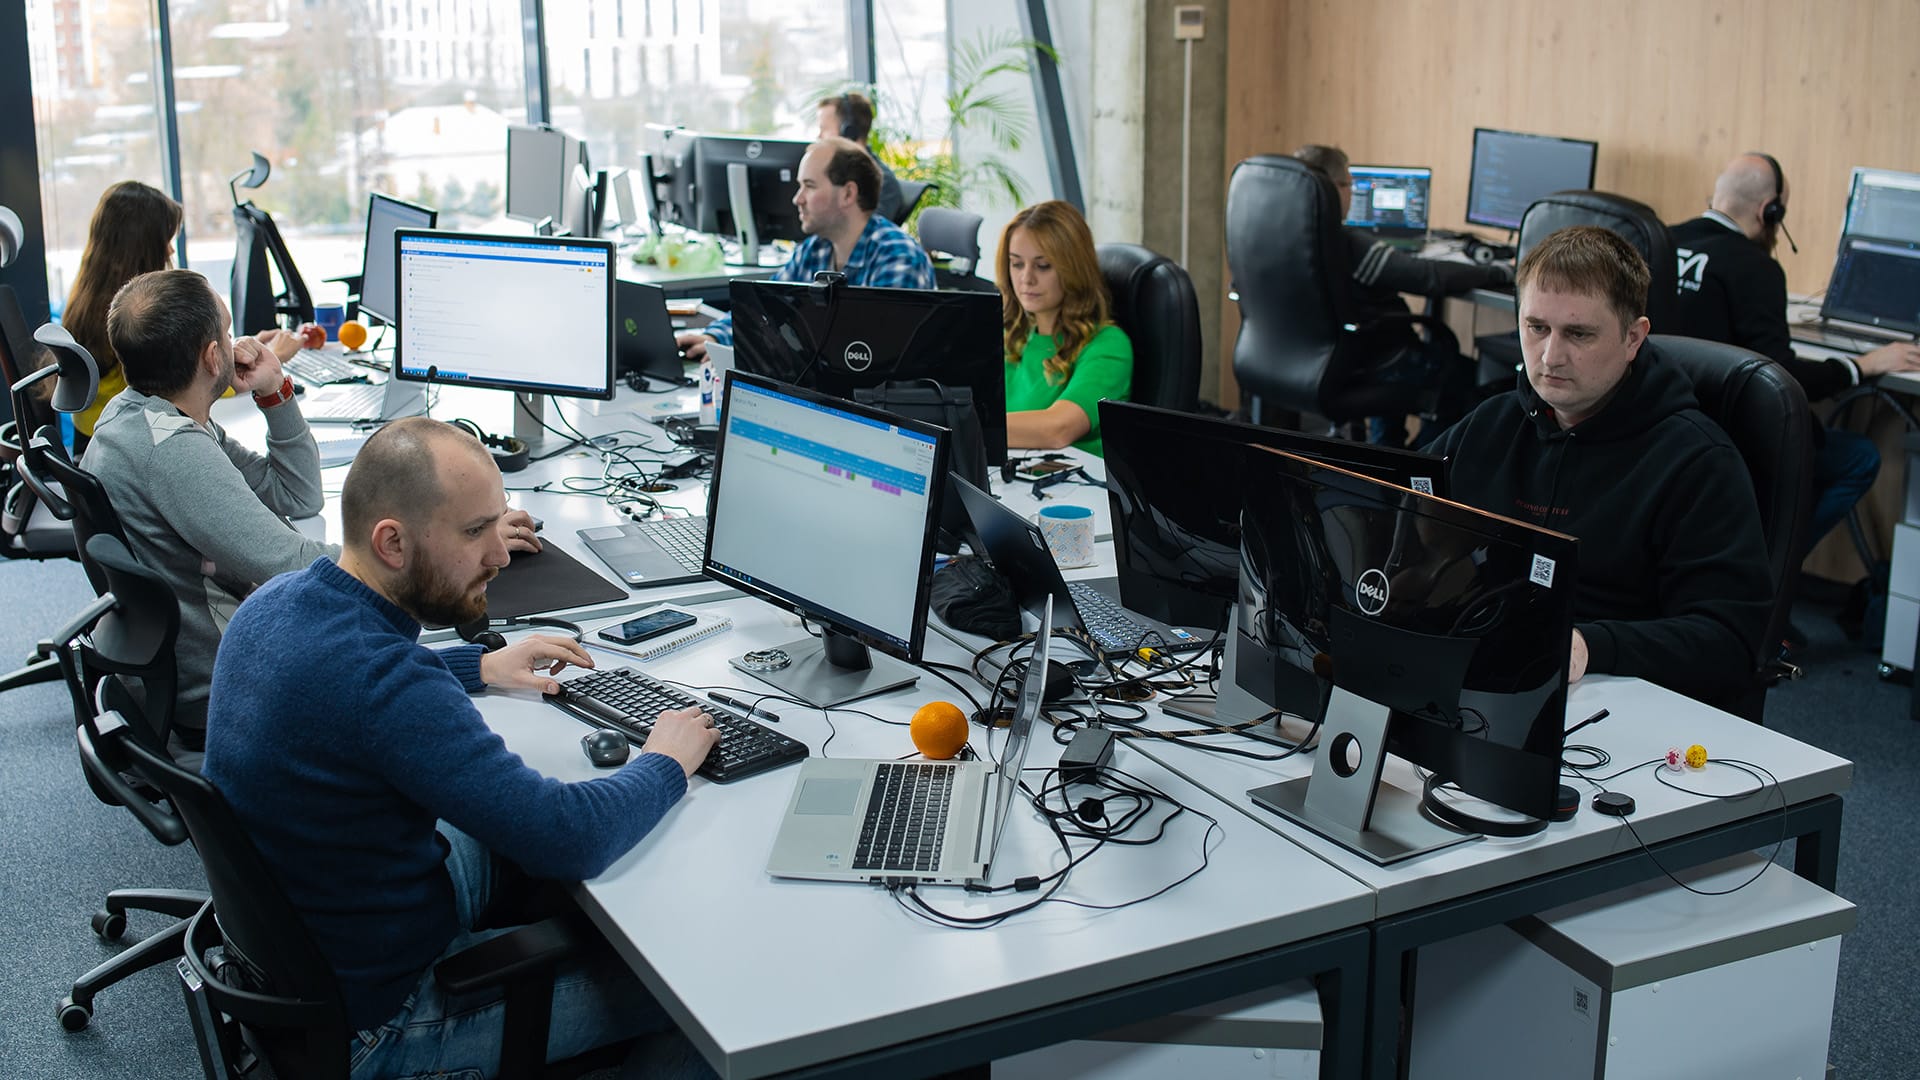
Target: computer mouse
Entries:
(605, 748)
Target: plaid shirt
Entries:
(884, 257)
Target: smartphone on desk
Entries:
(651, 625)
(1039, 467)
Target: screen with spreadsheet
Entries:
(1389, 199)
(526, 313)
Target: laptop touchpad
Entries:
(828, 796)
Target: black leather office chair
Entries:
(1764, 411)
(1300, 348)
(1153, 302)
(257, 245)
(1634, 221)
(911, 192)
(955, 236)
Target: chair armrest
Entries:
(1434, 325)
(496, 961)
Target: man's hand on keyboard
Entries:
(1899, 356)
(525, 664)
(685, 735)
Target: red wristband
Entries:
(281, 397)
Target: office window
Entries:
(910, 53)
(714, 65)
(94, 115)
(342, 108)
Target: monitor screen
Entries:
(576, 211)
(1174, 482)
(669, 190)
(537, 173)
(826, 508)
(1389, 199)
(1458, 621)
(1875, 282)
(1883, 204)
(526, 313)
(620, 184)
(385, 214)
(1511, 170)
(772, 174)
(844, 338)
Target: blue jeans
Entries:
(595, 1003)
(1453, 377)
(1843, 469)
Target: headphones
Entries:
(844, 106)
(485, 632)
(1775, 212)
(1483, 253)
(509, 453)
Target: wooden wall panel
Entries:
(1669, 88)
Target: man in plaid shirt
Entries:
(839, 187)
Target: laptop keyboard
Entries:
(323, 369)
(684, 538)
(628, 701)
(1108, 623)
(906, 821)
(349, 403)
(1854, 342)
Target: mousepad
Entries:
(550, 581)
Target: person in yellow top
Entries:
(1064, 352)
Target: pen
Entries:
(1594, 719)
(750, 710)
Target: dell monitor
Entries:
(744, 188)
(1428, 629)
(466, 299)
(1389, 200)
(828, 509)
(1511, 170)
(385, 214)
(841, 338)
(1884, 205)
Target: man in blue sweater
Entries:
(358, 765)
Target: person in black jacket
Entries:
(1604, 440)
(1732, 290)
(1381, 273)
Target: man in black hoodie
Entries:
(1604, 440)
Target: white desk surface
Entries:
(754, 1000)
(1643, 721)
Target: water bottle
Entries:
(707, 414)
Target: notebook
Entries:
(707, 626)
(909, 821)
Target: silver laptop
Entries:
(364, 402)
(940, 822)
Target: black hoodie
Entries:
(1674, 585)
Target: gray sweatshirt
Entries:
(206, 513)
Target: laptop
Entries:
(647, 554)
(1018, 550)
(1390, 201)
(643, 339)
(350, 403)
(914, 822)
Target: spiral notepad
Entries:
(706, 627)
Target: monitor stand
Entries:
(1347, 802)
(530, 426)
(828, 671)
(1231, 707)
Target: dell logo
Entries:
(1370, 592)
(753, 150)
(859, 356)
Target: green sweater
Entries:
(1104, 369)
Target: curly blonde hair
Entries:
(1067, 243)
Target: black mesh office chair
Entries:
(1764, 411)
(1153, 302)
(1635, 221)
(82, 498)
(911, 192)
(1300, 347)
(955, 236)
(256, 247)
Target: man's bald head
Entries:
(397, 475)
(1745, 185)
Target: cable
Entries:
(1755, 771)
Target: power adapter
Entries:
(1089, 752)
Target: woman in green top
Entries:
(1063, 351)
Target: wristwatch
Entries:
(279, 397)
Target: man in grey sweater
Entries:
(203, 511)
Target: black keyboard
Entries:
(323, 369)
(1853, 342)
(1109, 624)
(906, 822)
(685, 538)
(627, 701)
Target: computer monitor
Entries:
(744, 188)
(385, 214)
(540, 163)
(1389, 199)
(842, 338)
(1512, 169)
(579, 204)
(1884, 205)
(1876, 283)
(620, 191)
(1430, 629)
(828, 509)
(530, 314)
(668, 175)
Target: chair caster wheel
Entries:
(73, 1015)
(109, 925)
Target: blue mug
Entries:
(329, 317)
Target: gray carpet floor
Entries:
(63, 850)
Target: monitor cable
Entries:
(1764, 781)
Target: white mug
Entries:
(1069, 533)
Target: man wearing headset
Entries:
(1732, 290)
(850, 116)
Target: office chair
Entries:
(256, 243)
(954, 235)
(1153, 302)
(1301, 348)
(1764, 411)
(74, 494)
(1634, 221)
(911, 192)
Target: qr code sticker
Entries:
(1542, 574)
(1422, 484)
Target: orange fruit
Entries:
(352, 334)
(939, 729)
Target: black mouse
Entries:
(605, 748)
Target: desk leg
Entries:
(1343, 1017)
(1383, 1013)
(1816, 853)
